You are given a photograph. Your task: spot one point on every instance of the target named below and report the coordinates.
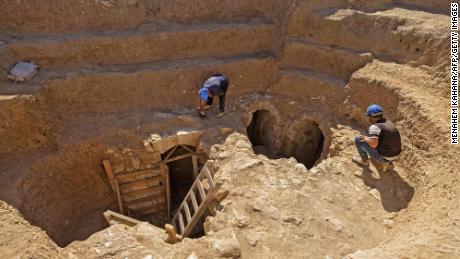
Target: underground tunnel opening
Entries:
(184, 164)
(302, 140)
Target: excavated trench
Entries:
(69, 199)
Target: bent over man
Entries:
(216, 85)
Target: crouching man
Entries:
(216, 85)
(383, 143)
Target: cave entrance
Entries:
(307, 143)
(304, 140)
(261, 134)
(184, 164)
(183, 167)
(181, 178)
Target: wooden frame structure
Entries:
(134, 191)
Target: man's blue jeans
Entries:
(365, 151)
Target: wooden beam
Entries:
(109, 172)
(167, 190)
(178, 157)
(116, 218)
(181, 223)
(170, 152)
(201, 191)
(140, 185)
(187, 212)
(120, 202)
(187, 148)
(208, 177)
(138, 175)
(195, 165)
(194, 203)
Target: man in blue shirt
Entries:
(216, 85)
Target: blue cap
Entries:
(374, 110)
(203, 93)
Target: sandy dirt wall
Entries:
(65, 193)
(23, 124)
(403, 35)
(309, 88)
(20, 239)
(153, 88)
(148, 44)
(331, 60)
(90, 15)
(430, 5)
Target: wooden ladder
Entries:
(195, 203)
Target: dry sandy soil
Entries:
(302, 74)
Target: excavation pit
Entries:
(302, 140)
(303, 71)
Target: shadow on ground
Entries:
(395, 192)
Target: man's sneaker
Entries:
(360, 161)
(202, 114)
(207, 107)
(220, 114)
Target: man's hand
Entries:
(364, 138)
(372, 142)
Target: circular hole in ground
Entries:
(303, 140)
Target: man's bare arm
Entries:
(373, 142)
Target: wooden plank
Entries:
(114, 218)
(170, 153)
(181, 223)
(168, 191)
(187, 148)
(152, 198)
(179, 157)
(208, 176)
(187, 212)
(194, 203)
(138, 175)
(195, 165)
(139, 185)
(146, 203)
(109, 172)
(131, 196)
(147, 211)
(201, 190)
(120, 202)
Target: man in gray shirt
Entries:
(383, 143)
